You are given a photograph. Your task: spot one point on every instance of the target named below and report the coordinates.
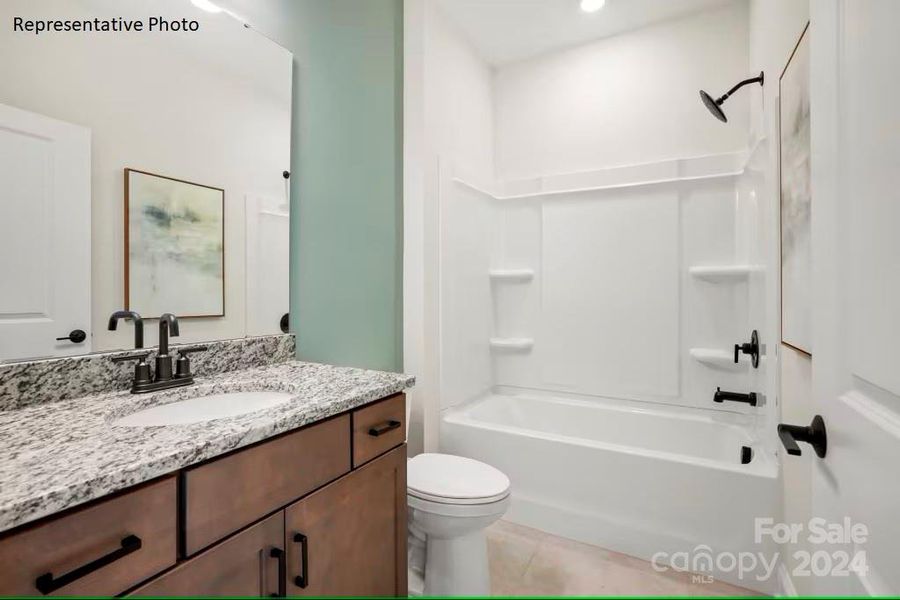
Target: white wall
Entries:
(630, 98)
(775, 28)
(168, 105)
(448, 127)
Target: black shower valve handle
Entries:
(745, 348)
(750, 348)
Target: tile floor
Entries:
(527, 562)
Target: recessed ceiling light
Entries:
(590, 6)
(209, 6)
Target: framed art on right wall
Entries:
(796, 199)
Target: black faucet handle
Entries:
(192, 349)
(183, 364)
(141, 368)
(140, 357)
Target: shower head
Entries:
(715, 105)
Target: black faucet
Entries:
(164, 378)
(721, 396)
(168, 325)
(138, 325)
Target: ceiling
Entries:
(504, 31)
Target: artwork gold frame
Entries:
(174, 246)
(795, 198)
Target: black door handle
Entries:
(302, 580)
(76, 336)
(813, 434)
(384, 428)
(282, 572)
(46, 584)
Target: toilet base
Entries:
(457, 566)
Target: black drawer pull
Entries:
(282, 572)
(46, 584)
(302, 581)
(384, 428)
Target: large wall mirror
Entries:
(141, 170)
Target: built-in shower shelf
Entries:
(723, 273)
(516, 344)
(722, 359)
(514, 275)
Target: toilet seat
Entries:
(456, 480)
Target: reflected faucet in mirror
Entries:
(138, 325)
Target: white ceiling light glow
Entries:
(590, 6)
(207, 6)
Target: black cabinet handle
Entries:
(282, 572)
(76, 336)
(302, 581)
(46, 584)
(384, 428)
(813, 434)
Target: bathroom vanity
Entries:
(304, 498)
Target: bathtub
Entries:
(633, 478)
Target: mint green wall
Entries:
(346, 175)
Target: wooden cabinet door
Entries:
(352, 533)
(252, 563)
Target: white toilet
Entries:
(451, 501)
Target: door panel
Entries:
(355, 531)
(241, 566)
(855, 118)
(45, 235)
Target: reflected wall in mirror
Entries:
(76, 109)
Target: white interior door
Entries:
(855, 118)
(45, 235)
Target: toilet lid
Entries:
(454, 480)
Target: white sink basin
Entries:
(204, 408)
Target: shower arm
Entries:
(758, 79)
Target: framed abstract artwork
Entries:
(174, 246)
(796, 199)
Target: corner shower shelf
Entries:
(518, 344)
(721, 359)
(723, 273)
(520, 275)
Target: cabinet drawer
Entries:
(228, 493)
(378, 427)
(248, 564)
(102, 549)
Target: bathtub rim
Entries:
(762, 465)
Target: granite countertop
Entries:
(58, 455)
